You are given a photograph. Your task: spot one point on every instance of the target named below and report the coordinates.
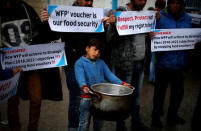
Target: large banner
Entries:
(8, 88)
(75, 19)
(134, 22)
(34, 56)
(175, 39)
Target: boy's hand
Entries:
(86, 89)
(16, 70)
(44, 15)
(126, 84)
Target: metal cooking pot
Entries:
(111, 98)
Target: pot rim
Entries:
(110, 84)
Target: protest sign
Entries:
(8, 88)
(34, 56)
(175, 39)
(75, 19)
(196, 18)
(134, 22)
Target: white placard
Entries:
(196, 18)
(75, 19)
(175, 39)
(34, 56)
(134, 22)
(8, 88)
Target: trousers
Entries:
(33, 87)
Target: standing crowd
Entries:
(20, 26)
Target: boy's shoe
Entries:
(157, 123)
(175, 120)
(4, 122)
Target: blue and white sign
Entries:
(8, 88)
(34, 57)
(75, 19)
(175, 39)
(134, 22)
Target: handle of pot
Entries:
(132, 87)
(93, 93)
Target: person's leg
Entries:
(152, 68)
(137, 81)
(85, 114)
(34, 91)
(13, 113)
(176, 96)
(161, 84)
(196, 118)
(97, 124)
(74, 99)
(120, 124)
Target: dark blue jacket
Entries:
(5, 74)
(172, 59)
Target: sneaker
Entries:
(157, 123)
(140, 127)
(4, 122)
(175, 120)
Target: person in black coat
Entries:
(196, 118)
(20, 26)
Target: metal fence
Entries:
(192, 4)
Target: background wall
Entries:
(39, 4)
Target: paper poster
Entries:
(196, 18)
(175, 39)
(75, 19)
(34, 57)
(8, 88)
(134, 22)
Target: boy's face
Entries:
(92, 53)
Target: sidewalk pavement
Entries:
(54, 114)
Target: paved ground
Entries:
(54, 114)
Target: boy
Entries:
(91, 70)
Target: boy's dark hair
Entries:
(95, 42)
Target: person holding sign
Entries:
(75, 48)
(170, 66)
(21, 26)
(128, 54)
(90, 70)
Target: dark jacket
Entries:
(5, 74)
